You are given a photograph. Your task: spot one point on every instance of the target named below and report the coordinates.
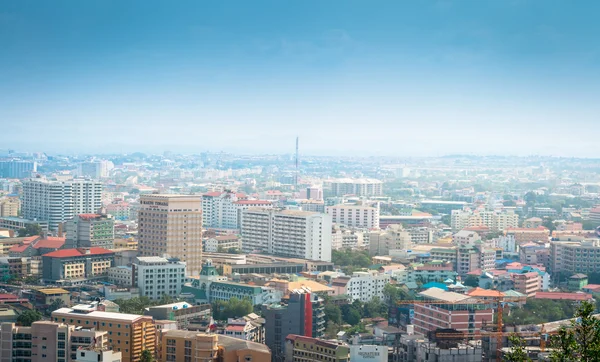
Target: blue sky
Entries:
(405, 78)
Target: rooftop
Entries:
(51, 291)
(563, 296)
(442, 295)
(68, 253)
(99, 315)
(480, 292)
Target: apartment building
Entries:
(120, 210)
(307, 349)
(461, 312)
(95, 169)
(10, 206)
(526, 283)
(575, 256)
(420, 235)
(222, 210)
(222, 243)
(360, 216)
(248, 328)
(496, 221)
(171, 225)
(349, 238)
(432, 271)
(58, 201)
(129, 334)
(48, 341)
(76, 266)
(525, 235)
(302, 315)
(156, 276)
(356, 187)
(90, 230)
(176, 345)
(471, 258)
(17, 169)
(289, 233)
(392, 238)
(363, 286)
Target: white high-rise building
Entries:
(291, 233)
(222, 210)
(496, 221)
(359, 216)
(156, 276)
(58, 201)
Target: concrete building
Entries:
(420, 235)
(172, 225)
(364, 286)
(17, 169)
(129, 334)
(360, 216)
(90, 230)
(17, 223)
(119, 210)
(496, 221)
(356, 187)
(156, 276)
(223, 210)
(303, 315)
(10, 206)
(461, 312)
(222, 243)
(176, 345)
(392, 238)
(181, 313)
(94, 354)
(301, 349)
(575, 256)
(249, 328)
(59, 201)
(525, 235)
(76, 266)
(290, 233)
(432, 271)
(95, 169)
(349, 238)
(48, 341)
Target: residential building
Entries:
(465, 238)
(48, 341)
(545, 212)
(176, 345)
(17, 169)
(433, 271)
(302, 315)
(312, 193)
(129, 334)
(533, 253)
(462, 312)
(10, 206)
(222, 210)
(290, 233)
(95, 169)
(222, 243)
(360, 216)
(304, 349)
(575, 256)
(364, 286)
(349, 238)
(90, 230)
(171, 225)
(525, 235)
(356, 187)
(121, 275)
(311, 205)
(526, 283)
(76, 266)
(119, 210)
(156, 276)
(392, 238)
(420, 235)
(94, 354)
(496, 221)
(477, 257)
(181, 313)
(248, 328)
(58, 201)
(17, 223)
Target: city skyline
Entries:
(399, 79)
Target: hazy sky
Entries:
(402, 78)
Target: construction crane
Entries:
(499, 302)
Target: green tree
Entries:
(56, 304)
(232, 308)
(333, 313)
(580, 342)
(30, 230)
(28, 317)
(375, 308)
(147, 356)
(353, 317)
(518, 353)
(471, 281)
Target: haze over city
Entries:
(424, 78)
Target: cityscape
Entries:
(299, 181)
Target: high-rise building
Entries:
(360, 216)
(303, 315)
(95, 169)
(17, 169)
(59, 201)
(356, 187)
(90, 230)
(222, 210)
(572, 257)
(172, 225)
(290, 233)
(129, 334)
(48, 341)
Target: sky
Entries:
(393, 78)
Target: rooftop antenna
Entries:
(296, 178)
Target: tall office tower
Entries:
(90, 230)
(58, 201)
(290, 233)
(17, 168)
(172, 225)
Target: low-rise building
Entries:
(156, 276)
(222, 243)
(364, 286)
(302, 348)
(181, 312)
(249, 328)
(76, 266)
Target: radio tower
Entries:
(297, 171)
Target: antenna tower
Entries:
(297, 171)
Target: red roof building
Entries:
(563, 296)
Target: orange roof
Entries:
(212, 194)
(562, 296)
(480, 292)
(69, 253)
(19, 248)
(50, 243)
(89, 216)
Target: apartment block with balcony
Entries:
(361, 216)
(575, 257)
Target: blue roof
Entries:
(435, 285)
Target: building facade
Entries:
(393, 238)
(156, 276)
(356, 187)
(76, 266)
(90, 230)
(354, 215)
(289, 233)
(171, 225)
